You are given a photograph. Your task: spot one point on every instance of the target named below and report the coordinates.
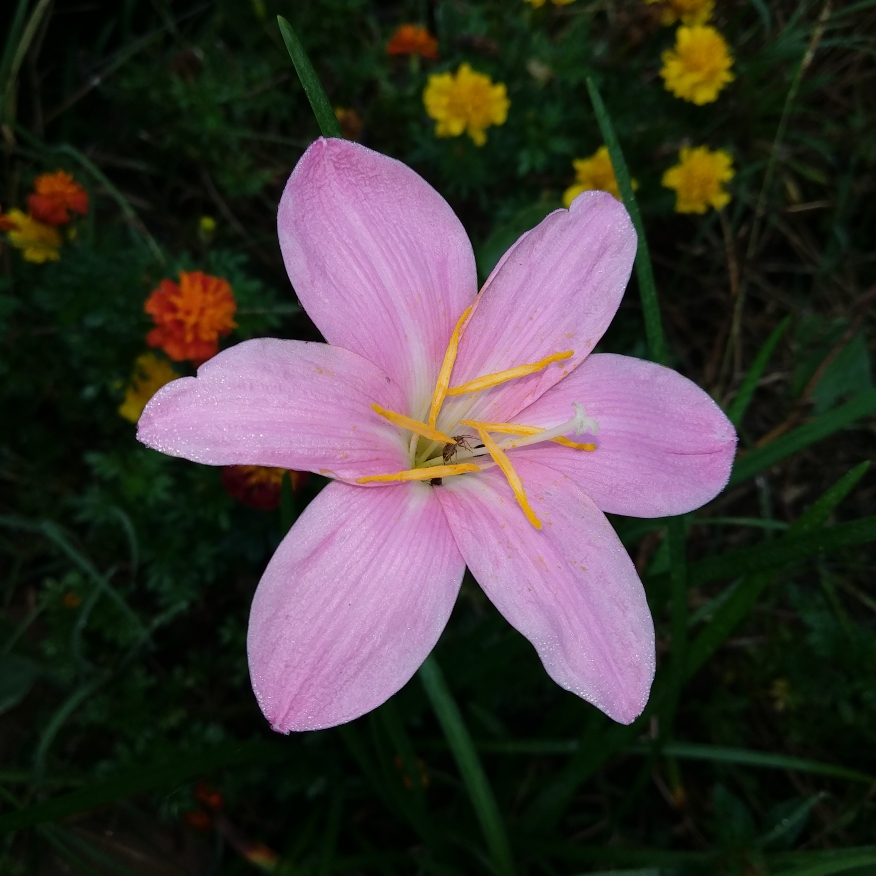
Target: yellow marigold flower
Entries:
(465, 102)
(150, 374)
(699, 65)
(37, 241)
(593, 174)
(688, 12)
(536, 4)
(698, 179)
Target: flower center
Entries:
(436, 455)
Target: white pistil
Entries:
(578, 424)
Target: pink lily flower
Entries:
(460, 430)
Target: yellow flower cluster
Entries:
(698, 67)
(465, 102)
(698, 179)
(37, 241)
(536, 4)
(686, 11)
(593, 174)
(150, 374)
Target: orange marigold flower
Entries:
(258, 486)
(191, 316)
(55, 195)
(412, 39)
(208, 796)
(198, 819)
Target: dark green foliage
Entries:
(127, 575)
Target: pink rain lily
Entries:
(460, 429)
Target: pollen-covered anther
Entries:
(442, 384)
(420, 474)
(412, 425)
(490, 380)
(501, 459)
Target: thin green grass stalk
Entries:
(822, 426)
(11, 74)
(736, 324)
(644, 271)
(737, 409)
(319, 102)
(805, 531)
(459, 739)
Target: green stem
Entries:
(319, 102)
(644, 271)
(469, 764)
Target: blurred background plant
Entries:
(145, 146)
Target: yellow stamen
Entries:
(575, 445)
(489, 380)
(421, 474)
(500, 458)
(502, 428)
(442, 385)
(412, 425)
(520, 429)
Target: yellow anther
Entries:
(412, 425)
(575, 445)
(502, 428)
(421, 474)
(443, 382)
(501, 459)
(489, 380)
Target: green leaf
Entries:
(319, 102)
(460, 742)
(17, 677)
(737, 409)
(765, 759)
(644, 271)
(166, 772)
(826, 424)
(804, 533)
(847, 374)
(845, 860)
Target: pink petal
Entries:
(664, 446)
(351, 604)
(557, 289)
(378, 259)
(570, 588)
(289, 404)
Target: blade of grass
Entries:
(319, 102)
(790, 548)
(767, 760)
(806, 529)
(27, 36)
(737, 409)
(852, 860)
(821, 427)
(165, 772)
(473, 774)
(644, 271)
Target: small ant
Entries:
(449, 450)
